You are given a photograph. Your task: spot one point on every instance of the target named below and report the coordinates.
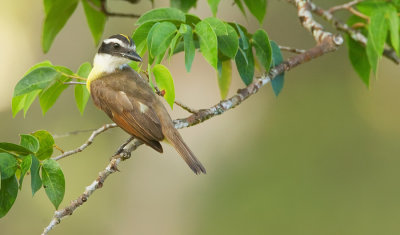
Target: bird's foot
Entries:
(125, 155)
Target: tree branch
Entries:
(344, 6)
(180, 104)
(328, 44)
(87, 143)
(55, 136)
(306, 19)
(74, 83)
(291, 49)
(354, 34)
(103, 8)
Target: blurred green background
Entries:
(322, 158)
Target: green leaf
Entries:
(46, 143)
(377, 32)
(162, 14)
(13, 149)
(165, 83)
(135, 66)
(36, 182)
(369, 6)
(396, 4)
(51, 93)
(359, 60)
(372, 56)
(229, 44)
(25, 166)
(140, 37)
(57, 14)
(29, 142)
(37, 79)
(8, 194)
(159, 42)
(84, 70)
(214, 6)
(217, 25)
(183, 5)
(245, 62)
(263, 48)
(81, 93)
(278, 81)
(257, 8)
(53, 181)
(393, 24)
(192, 20)
(187, 33)
(45, 63)
(95, 19)
(141, 32)
(243, 35)
(241, 7)
(8, 165)
(174, 42)
(18, 103)
(224, 77)
(30, 97)
(24, 101)
(208, 43)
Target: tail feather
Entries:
(176, 140)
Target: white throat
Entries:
(106, 63)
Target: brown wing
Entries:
(130, 113)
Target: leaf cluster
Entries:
(382, 27)
(47, 82)
(30, 156)
(219, 42)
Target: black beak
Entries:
(132, 55)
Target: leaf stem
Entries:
(72, 76)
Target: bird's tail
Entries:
(175, 139)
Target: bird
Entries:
(129, 100)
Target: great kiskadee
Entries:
(129, 100)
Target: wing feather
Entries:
(127, 111)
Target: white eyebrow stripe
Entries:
(115, 40)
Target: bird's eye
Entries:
(116, 45)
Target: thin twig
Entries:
(87, 143)
(74, 83)
(344, 6)
(357, 13)
(291, 49)
(103, 8)
(55, 136)
(58, 148)
(358, 25)
(180, 104)
(72, 76)
(185, 107)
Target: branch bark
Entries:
(353, 33)
(87, 143)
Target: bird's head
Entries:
(116, 51)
